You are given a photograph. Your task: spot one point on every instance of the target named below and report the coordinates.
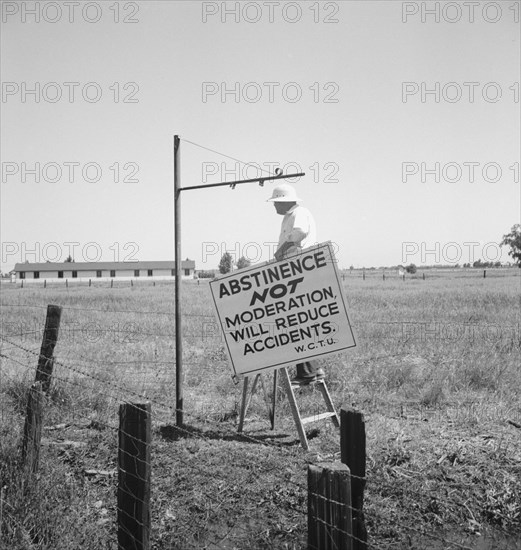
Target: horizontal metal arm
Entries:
(232, 184)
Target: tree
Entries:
(243, 262)
(513, 240)
(411, 269)
(226, 263)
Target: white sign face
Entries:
(281, 313)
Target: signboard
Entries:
(283, 312)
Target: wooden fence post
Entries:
(329, 507)
(134, 476)
(50, 336)
(352, 449)
(33, 429)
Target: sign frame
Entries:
(333, 275)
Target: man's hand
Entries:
(284, 247)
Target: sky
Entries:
(404, 116)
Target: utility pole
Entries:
(177, 257)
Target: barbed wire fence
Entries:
(253, 482)
(203, 524)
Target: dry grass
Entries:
(436, 373)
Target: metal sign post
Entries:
(177, 258)
(177, 250)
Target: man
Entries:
(297, 232)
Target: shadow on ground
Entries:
(171, 432)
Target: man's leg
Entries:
(307, 369)
(307, 372)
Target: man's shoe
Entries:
(320, 374)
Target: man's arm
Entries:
(283, 248)
(296, 237)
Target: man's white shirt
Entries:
(298, 226)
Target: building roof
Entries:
(103, 266)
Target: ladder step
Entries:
(318, 417)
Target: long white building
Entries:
(83, 271)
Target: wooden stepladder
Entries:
(246, 398)
(289, 388)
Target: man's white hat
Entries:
(284, 193)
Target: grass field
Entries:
(436, 372)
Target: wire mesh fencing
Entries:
(210, 486)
